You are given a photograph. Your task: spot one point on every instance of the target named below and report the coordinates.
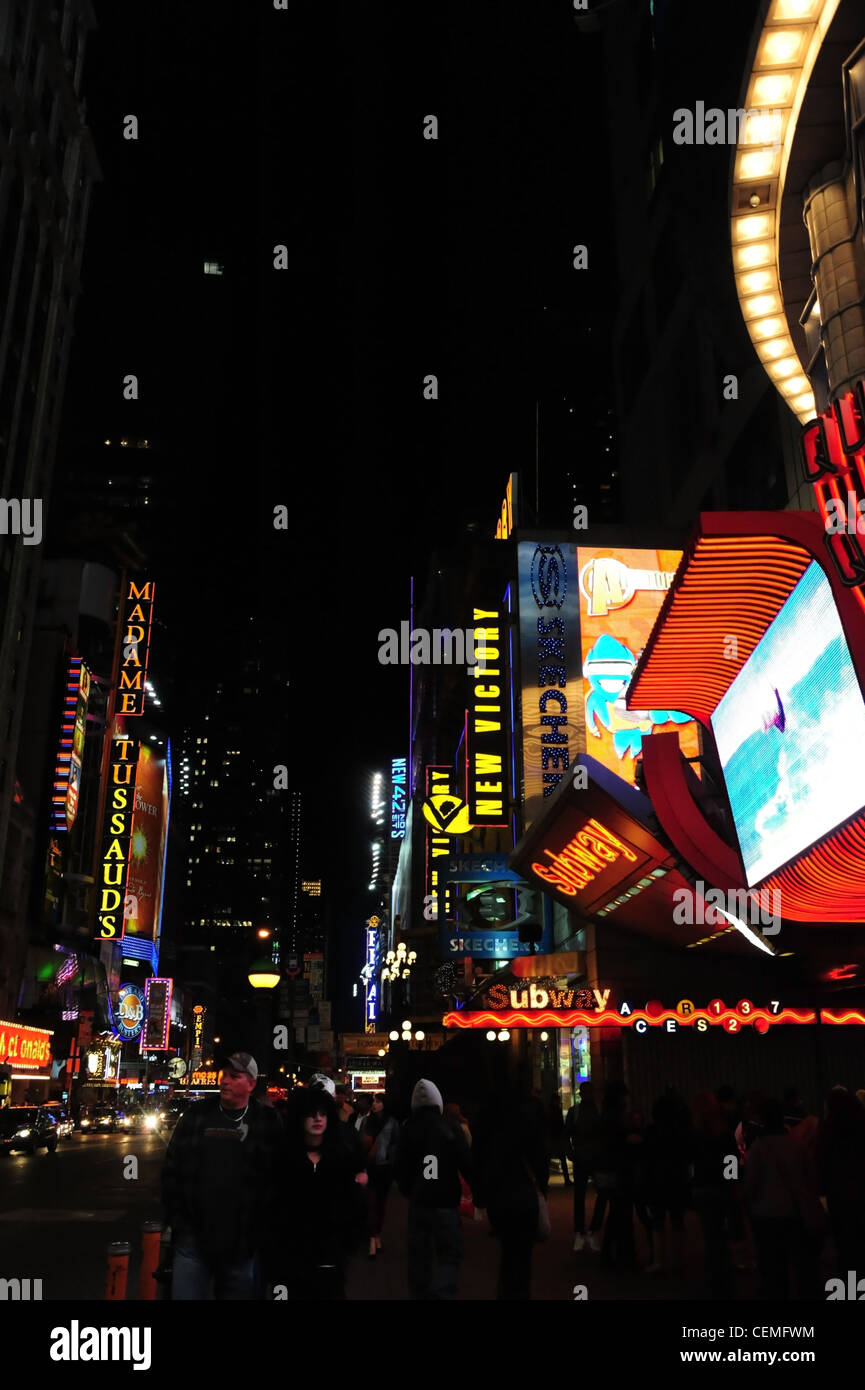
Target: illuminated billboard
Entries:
(553, 721)
(157, 1001)
(487, 791)
(147, 846)
(621, 593)
(791, 732)
(445, 814)
(135, 636)
(114, 865)
(397, 798)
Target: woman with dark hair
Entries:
(382, 1135)
(322, 1201)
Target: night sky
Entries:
(304, 387)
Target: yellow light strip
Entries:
(786, 51)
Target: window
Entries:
(213, 268)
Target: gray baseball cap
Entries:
(243, 1062)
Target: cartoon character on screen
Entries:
(608, 668)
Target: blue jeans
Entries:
(193, 1273)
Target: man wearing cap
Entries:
(218, 1187)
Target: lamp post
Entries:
(264, 975)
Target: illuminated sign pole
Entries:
(371, 1000)
(486, 722)
(128, 673)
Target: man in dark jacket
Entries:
(430, 1157)
(218, 1187)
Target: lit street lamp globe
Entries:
(263, 974)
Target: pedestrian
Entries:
(714, 1167)
(431, 1154)
(669, 1144)
(347, 1131)
(794, 1110)
(382, 1134)
(583, 1137)
(512, 1179)
(323, 1207)
(616, 1175)
(841, 1167)
(558, 1138)
(218, 1188)
(786, 1216)
(454, 1114)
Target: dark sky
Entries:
(304, 387)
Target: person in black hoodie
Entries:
(430, 1157)
(322, 1201)
(513, 1166)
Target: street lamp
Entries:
(397, 963)
(263, 974)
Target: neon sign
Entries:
(397, 798)
(508, 519)
(443, 812)
(67, 773)
(669, 1020)
(371, 1002)
(553, 723)
(583, 858)
(486, 734)
(24, 1047)
(115, 859)
(157, 998)
(129, 1015)
(833, 457)
(137, 620)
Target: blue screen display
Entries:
(790, 732)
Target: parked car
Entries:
(27, 1127)
(61, 1117)
(98, 1119)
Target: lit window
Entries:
(213, 268)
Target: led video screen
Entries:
(791, 732)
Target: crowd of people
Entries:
(273, 1202)
(768, 1181)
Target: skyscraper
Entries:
(47, 168)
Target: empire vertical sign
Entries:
(486, 727)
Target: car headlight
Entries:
(84, 1123)
(22, 1134)
(151, 1122)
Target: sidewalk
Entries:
(555, 1270)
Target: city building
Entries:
(47, 169)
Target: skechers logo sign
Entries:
(21, 517)
(548, 579)
(76, 1343)
(18, 1290)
